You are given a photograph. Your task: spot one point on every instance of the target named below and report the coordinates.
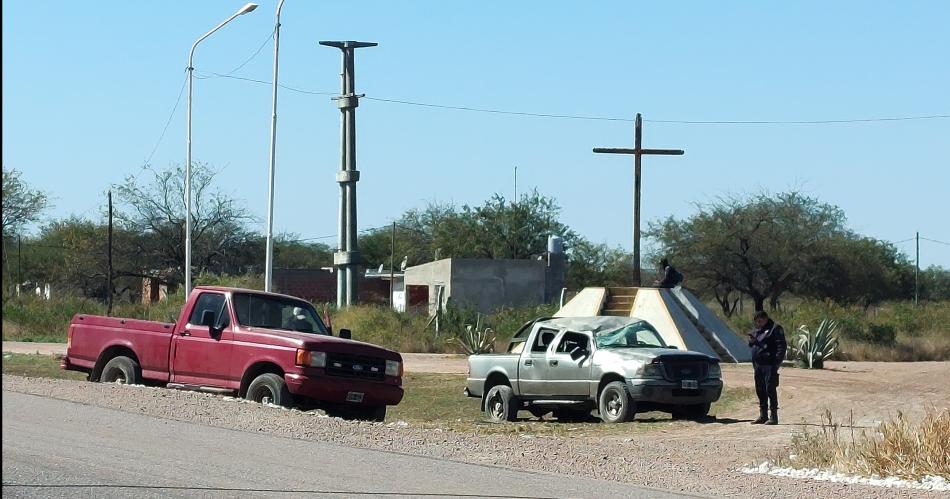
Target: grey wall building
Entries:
(481, 284)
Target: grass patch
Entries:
(37, 366)
(898, 447)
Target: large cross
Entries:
(637, 152)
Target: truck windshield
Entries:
(637, 335)
(275, 312)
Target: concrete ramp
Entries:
(587, 303)
(714, 329)
(680, 318)
(658, 307)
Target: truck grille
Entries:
(355, 366)
(677, 370)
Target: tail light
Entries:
(69, 338)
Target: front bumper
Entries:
(334, 389)
(661, 391)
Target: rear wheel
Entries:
(269, 388)
(374, 413)
(616, 405)
(501, 404)
(122, 370)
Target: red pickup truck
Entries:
(265, 347)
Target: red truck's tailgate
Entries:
(90, 335)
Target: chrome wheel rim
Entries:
(613, 404)
(496, 407)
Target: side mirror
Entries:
(346, 334)
(578, 353)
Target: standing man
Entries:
(767, 341)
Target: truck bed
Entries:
(150, 340)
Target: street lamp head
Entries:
(247, 8)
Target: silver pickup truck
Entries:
(570, 366)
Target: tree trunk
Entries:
(759, 302)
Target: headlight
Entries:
(393, 368)
(309, 358)
(714, 371)
(648, 371)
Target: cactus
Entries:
(475, 340)
(814, 347)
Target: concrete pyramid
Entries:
(680, 318)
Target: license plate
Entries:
(356, 396)
(689, 384)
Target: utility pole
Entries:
(392, 265)
(19, 262)
(347, 257)
(109, 310)
(516, 185)
(917, 271)
(637, 152)
(269, 243)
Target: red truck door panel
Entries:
(198, 357)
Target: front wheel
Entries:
(269, 388)
(501, 404)
(616, 405)
(122, 370)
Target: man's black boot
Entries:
(774, 419)
(763, 417)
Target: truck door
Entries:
(201, 356)
(564, 376)
(531, 370)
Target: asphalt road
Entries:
(55, 448)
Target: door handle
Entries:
(528, 362)
(185, 333)
(552, 362)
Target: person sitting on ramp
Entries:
(671, 277)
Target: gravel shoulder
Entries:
(697, 458)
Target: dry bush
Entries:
(898, 447)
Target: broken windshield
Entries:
(637, 335)
(276, 312)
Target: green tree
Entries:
(592, 264)
(761, 246)
(21, 204)
(152, 204)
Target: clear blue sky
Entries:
(88, 86)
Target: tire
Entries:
(616, 405)
(122, 370)
(501, 404)
(694, 411)
(269, 388)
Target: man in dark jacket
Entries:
(671, 277)
(767, 341)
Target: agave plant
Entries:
(814, 347)
(474, 340)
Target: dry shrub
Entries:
(898, 447)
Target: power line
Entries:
(935, 241)
(253, 80)
(168, 122)
(596, 118)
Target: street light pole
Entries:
(269, 257)
(191, 76)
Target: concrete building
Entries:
(480, 284)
